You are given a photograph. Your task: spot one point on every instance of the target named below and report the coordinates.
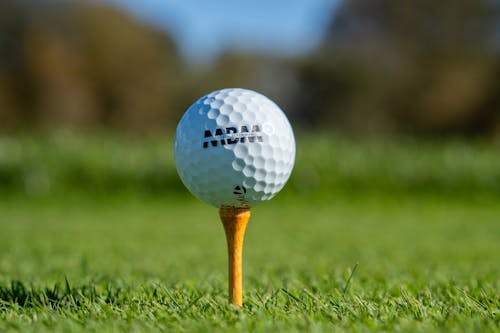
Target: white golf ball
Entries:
(234, 148)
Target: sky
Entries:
(204, 29)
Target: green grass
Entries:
(326, 165)
(97, 235)
(135, 264)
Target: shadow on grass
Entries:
(59, 295)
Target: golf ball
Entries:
(234, 148)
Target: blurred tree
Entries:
(421, 67)
(83, 65)
(386, 66)
(271, 76)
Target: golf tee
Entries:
(235, 222)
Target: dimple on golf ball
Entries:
(234, 148)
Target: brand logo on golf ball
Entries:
(231, 135)
(239, 192)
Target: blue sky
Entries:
(203, 29)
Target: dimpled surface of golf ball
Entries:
(234, 148)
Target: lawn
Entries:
(382, 255)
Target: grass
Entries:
(325, 165)
(135, 264)
(389, 257)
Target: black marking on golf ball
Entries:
(231, 136)
(240, 191)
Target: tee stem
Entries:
(235, 222)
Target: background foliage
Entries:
(384, 67)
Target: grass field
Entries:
(395, 246)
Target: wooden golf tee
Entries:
(235, 222)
